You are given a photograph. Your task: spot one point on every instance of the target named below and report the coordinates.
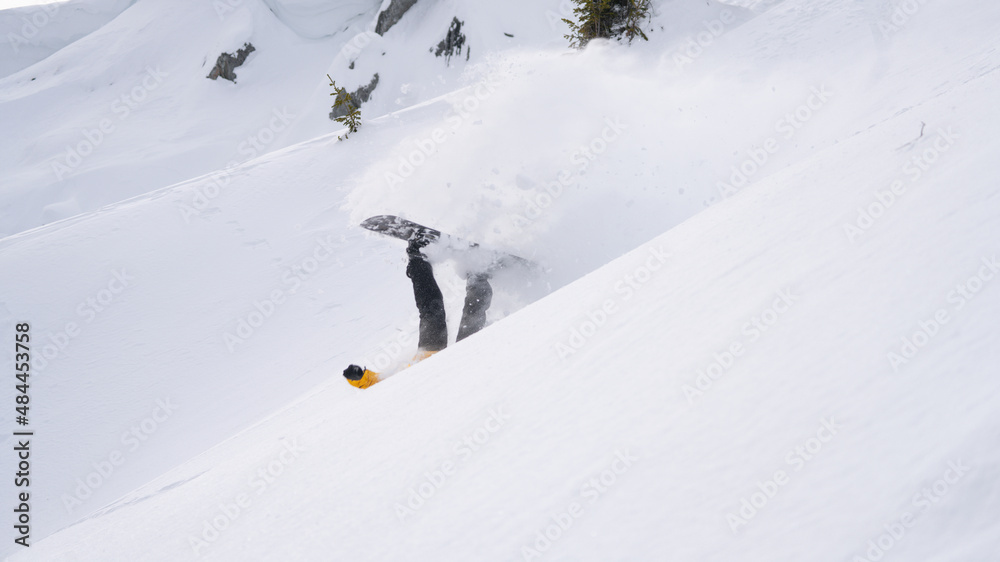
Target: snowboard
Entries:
(406, 230)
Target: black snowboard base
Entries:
(406, 230)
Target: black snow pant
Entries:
(430, 304)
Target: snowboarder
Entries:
(430, 305)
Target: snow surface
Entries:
(35, 31)
(700, 374)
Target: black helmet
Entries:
(353, 373)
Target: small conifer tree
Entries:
(352, 119)
(610, 19)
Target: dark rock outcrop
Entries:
(227, 63)
(453, 42)
(390, 16)
(358, 97)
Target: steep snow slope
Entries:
(163, 282)
(145, 71)
(34, 32)
(194, 251)
(319, 18)
(510, 435)
(87, 112)
(505, 432)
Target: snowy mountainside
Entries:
(145, 70)
(35, 32)
(733, 383)
(74, 158)
(314, 19)
(809, 420)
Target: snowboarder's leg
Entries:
(430, 302)
(478, 295)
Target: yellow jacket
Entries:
(367, 380)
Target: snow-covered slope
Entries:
(86, 113)
(34, 32)
(738, 387)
